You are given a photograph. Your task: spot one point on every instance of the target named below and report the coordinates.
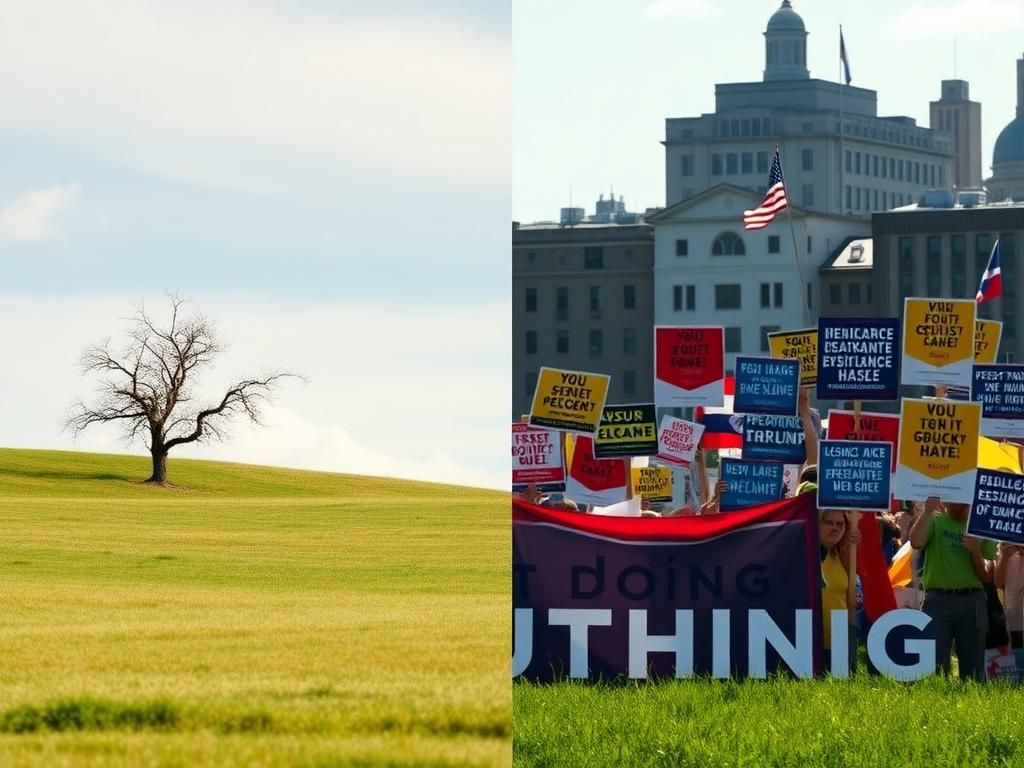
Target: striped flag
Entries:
(842, 57)
(992, 280)
(774, 199)
(722, 428)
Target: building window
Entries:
(596, 342)
(728, 244)
(934, 252)
(687, 165)
(691, 298)
(629, 297)
(531, 384)
(629, 382)
(745, 126)
(856, 162)
(835, 294)
(906, 268)
(629, 341)
(762, 162)
(727, 296)
(857, 206)
(809, 243)
(778, 295)
(810, 296)
(531, 257)
(773, 243)
(716, 164)
(747, 162)
(562, 342)
(733, 339)
(677, 298)
(958, 266)
(682, 247)
(849, 198)
(808, 195)
(531, 299)
(853, 294)
(595, 300)
(766, 295)
(849, 161)
(885, 168)
(593, 257)
(531, 342)
(561, 303)
(765, 330)
(807, 159)
(731, 164)
(874, 165)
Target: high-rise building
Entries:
(955, 114)
(1007, 181)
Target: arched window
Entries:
(728, 244)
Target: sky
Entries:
(593, 82)
(328, 182)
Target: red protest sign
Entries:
(595, 481)
(874, 427)
(689, 366)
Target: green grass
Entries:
(865, 722)
(249, 616)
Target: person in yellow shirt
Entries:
(836, 534)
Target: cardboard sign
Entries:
(854, 475)
(627, 430)
(773, 438)
(1000, 390)
(536, 458)
(998, 509)
(766, 385)
(798, 345)
(678, 440)
(652, 483)
(987, 334)
(599, 482)
(750, 483)
(689, 366)
(938, 342)
(874, 427)
(938, 450)
(858, 358)
(571, 401)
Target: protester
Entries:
(954, 599)
(1009, 577)
(713, 505)
(837, 594)
(810, 438)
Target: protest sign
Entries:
(689, 366)
(536, 458)
(1005, 663)
(987, 334)
(858, 358)
(854, 475)
(627, 430)
(571, 401)
(595, 481)
(1000, 390)
(652, 483)
(766, 385)
(998, 509)
(749, 483)
(773, 438)
(938, 342)
(874, 427)
(678, 440)
(798, 345)
(938, 450)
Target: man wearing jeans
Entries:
(954, 599)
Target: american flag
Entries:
(774, 199)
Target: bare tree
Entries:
(148, 386)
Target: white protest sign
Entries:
(678, 440)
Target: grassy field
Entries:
(253, 616)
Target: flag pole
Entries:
(796, 252)
(842, 203)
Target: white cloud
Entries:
(213, 85)
(972, 18)
(33, 216)
(700, 9)
(393, 390)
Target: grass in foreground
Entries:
(866, 722)
(252, 616)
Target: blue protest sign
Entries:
(998, 509)
(766, 385)
(858, 358)
(854, 475)
(1000, 390)
(749, 483)
(773, 438)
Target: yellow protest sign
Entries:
(652, 483)
(571, 401)
(938, 342)
(938, 450)
(986, 341)
(798, 345)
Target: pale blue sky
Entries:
(594, 81)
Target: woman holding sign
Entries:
(837, 592)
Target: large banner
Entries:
(858, 358)
(986, 340)
(798, 345)
(598, 482)
(938, 450)
(938, 342)
(774, 438)
(571, 401)
(723, 595)
(627, 430)
(1000, 390)
(536, 458)
(689, 366)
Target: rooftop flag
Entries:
(774, 199)
(843, 58)
(992, 280)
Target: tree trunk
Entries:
(159, 455)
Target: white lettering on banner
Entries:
(579, 621)
(641, 643)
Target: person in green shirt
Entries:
(952, 578)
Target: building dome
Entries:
(1010, 144)
(786, 20)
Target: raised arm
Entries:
(810, 434)
(922, 524)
